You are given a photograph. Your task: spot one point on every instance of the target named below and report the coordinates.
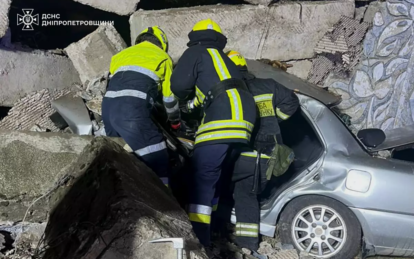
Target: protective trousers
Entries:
(207, 167)
(130, 118)
(246, 202)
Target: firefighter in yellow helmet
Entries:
(140, 74)
(275, 103)
(204, 71)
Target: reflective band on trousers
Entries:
(219, 64)
(199, 213)
(202, 209)
(225, 124)
(126, 93)
(223, 135)
(281, 114)
(263, 97)
(254, 154)
(151, 149)
(139, 69)
(236, 105)
(247, 230)
(173, 109)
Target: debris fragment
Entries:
(74, 111)
(275, 63)
(339, 50)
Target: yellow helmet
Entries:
(237, 58)
(159, 34)
(207, 24)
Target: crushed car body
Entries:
(332, 162)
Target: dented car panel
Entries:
(378, 191)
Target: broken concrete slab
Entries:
(121, 7)
(33, 167)
(33, 109)
(285, 31)
(114, 208)
(92, 55)
(24, 72)
(300, 68)
(32, 164)
(4, 16)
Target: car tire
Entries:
(298, 227)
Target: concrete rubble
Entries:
(66, 180)
(92, 55)
(42, 70)
(124, 204)
(339, 50)
(32, 112)
(286, 31)
(4, 19)
(121, 7)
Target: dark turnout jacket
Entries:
(275, 103)
(230, 116)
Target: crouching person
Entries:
(254, 168)
(140, 73)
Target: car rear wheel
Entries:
(321, 226)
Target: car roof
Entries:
(262, 70)
(395, 138)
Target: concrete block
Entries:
(285, 31)
(121, 7)
(4, 16)
(92, 55)
(24, 72)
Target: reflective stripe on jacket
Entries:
(230, 116)
(149, 60)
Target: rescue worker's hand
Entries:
(175, 125)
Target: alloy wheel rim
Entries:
(319, 230)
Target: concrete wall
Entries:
(26, 72)
(285, 31)
(380, 92)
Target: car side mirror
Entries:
(371, 137)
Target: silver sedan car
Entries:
(341, 195)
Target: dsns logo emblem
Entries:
(27, 19)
